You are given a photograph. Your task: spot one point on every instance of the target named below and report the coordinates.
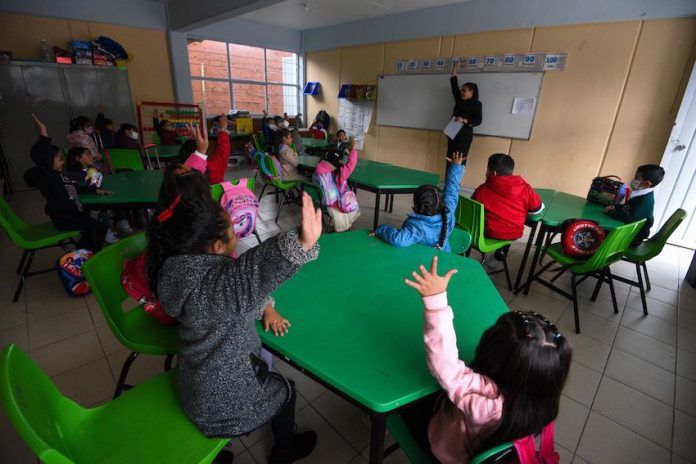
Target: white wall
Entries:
(246, 32)
(490, 15)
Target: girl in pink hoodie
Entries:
(510, 390)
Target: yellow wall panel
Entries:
(325, 68)
(405, 147)
(651, 99)
(413, 49)
(576, 107)
(481, 149)
(515, 41)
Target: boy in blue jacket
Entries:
(432, 219)
(641, 203)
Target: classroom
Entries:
(320, 231)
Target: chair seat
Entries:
(120, 432)
(486, 245)
(283, 184)
(41, 235)
(643, 252)
(459, 241)
(140, 332)
(556, 253)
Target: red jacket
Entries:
(217, 163)
(507, 200)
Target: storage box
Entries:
(245, 126)
(80, 45)
(64, 59)
(99, 59)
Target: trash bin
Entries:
(691, 273)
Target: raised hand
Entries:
(40, 125)
(201, 138)
(428, 282)
(274, 321)
(223, 122)
(310, 228)
(457, 158)
(454, 67)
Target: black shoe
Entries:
(302, 447)
(224, 457)
(500, 255)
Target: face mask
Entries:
(89, 130)
(284, 124)
(273, 126)
(134, 135)
(635, 184)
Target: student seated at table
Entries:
(432, 219)
(287, 157)
(641, 202)
(193, 152)
(60, 192)
(510, 390)
(165, 130)
(507, 200)
(82, 135)
(105, 127)
(332, 175)
(127, 137)
(221, 383)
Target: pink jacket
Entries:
(455, 433)
(197, 161)
(81, 138)
(344, 171)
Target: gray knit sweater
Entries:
(216, 300)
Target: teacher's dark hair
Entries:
(474, 88)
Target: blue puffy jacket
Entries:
(418, 228)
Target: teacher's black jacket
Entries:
(469, 110)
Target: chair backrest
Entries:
(494, 455)
(316, 194)
(612, 248)
(11, 222)
(459, 241)
(216, 190)
(103, 272)
(269, 167)
(124, 159)
(469, 216)
(168, 150)
(258, 141)
(37, 410)
(657, 242)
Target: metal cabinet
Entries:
(57, 94)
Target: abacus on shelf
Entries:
(179, 114)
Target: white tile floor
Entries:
(630, 398)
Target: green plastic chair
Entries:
(317, 196)
(145, 425)
(259, 141)
(134, 328)
(610, 251)
(31, 238)
(124, 159)
(647, 250)
(470, 216)
(271, 176)
(415, 454)
(459, 241)
(216, 192)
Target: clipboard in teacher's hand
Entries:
(453, 128)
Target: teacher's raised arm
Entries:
(467, 110)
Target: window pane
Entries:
(214, 96)
(281, 67)
(247, 63)
(282, 99)
(208, 58)
(249, 97)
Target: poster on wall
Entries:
(400, 66)
(554, 62)
(412, 65)
(354, 117)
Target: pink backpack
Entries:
(242, 206)
(528, 454)
(135, 283)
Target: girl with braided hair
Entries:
(432, 219)
(510, 390)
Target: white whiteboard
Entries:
(424, 101)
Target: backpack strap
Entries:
(526, 450)
(547, 453)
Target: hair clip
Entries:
(169, 212)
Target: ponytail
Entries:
(429, 200)
(443, 229)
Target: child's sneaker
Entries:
(124, 227)
(111, 237)
(302, 447)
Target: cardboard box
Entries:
(245, 126)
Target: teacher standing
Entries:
(467, 110)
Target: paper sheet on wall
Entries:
(453, 128)
(354, 117)
(523, 105)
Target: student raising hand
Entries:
(223, 122)
(40, 125)
(200, 137)
(429, 283)
(310, 228)
(457, 158)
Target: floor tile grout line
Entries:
(669, 450)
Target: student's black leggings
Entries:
(92, 232)
(283, 423)
(417, 418)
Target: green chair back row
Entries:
(654, 245)
(612, 248)
(145, 425)
(31, 236)
(470, 216)
(124, 159)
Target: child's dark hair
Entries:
(125, 126)
(78, 123)
(334, 157)
(429, 200)
(652, 173)
(278, 118)
(162, 123)
(338, 132)
(195, 224)
(474, 88)
(190, 184)
(278, 137)
(103, 122)
(502, 164)
(186, 149)
(528, 359)
(72, 161)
